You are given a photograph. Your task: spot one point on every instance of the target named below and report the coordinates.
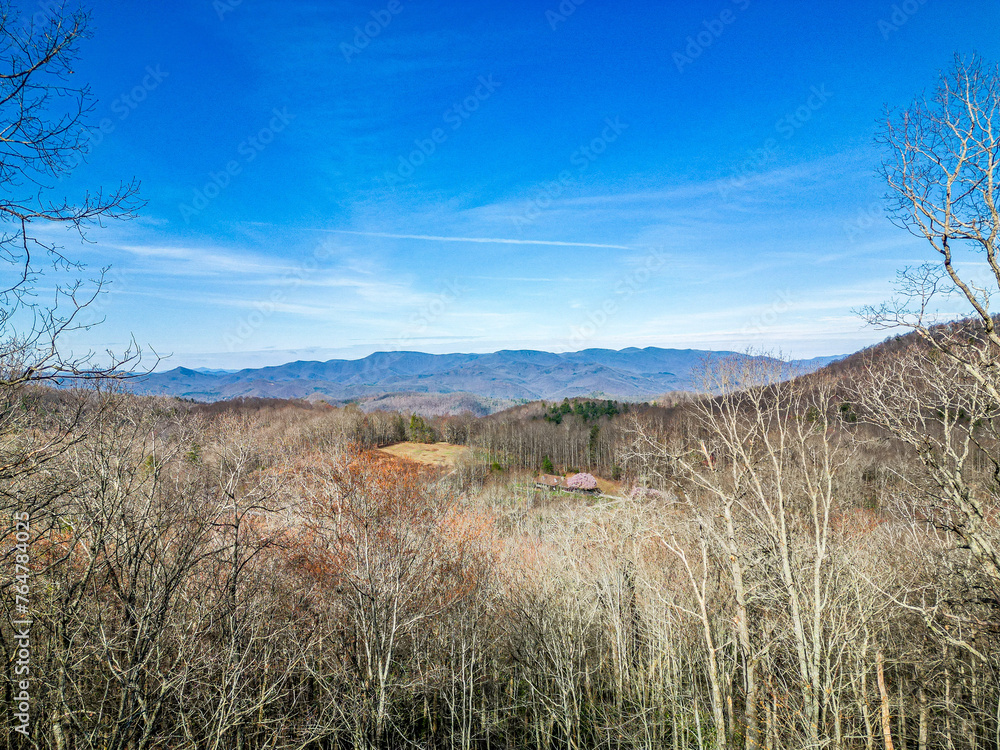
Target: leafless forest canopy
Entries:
(805, 562)
(795, 573)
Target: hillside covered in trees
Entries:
(787, 559)
(450, 383)
(789, 575)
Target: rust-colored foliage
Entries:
(367, 521)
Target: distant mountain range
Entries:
(630, 374)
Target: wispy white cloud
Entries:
(197, 261)
(486, 240)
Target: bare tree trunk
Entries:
(772, 717)
(861, 694)
(700, 590)
(886, 720)
(743, 630)
(697, 725)
(901, 721)
(838, 729)
(923, 712)
(949, 705)
(57, 732)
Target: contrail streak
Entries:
(488, 240)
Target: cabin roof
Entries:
(550, 480)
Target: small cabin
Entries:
(550, 482)
(577, 483)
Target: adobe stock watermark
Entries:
(22, 626)
(562, 13)
(863, 222)
(626, 287)
(546, 193)
(224, 7)
(48, 11)
(454, 117)
(899, 15)
(364, 35)
(430, 312)
(265, 308)
(757, 325)
(123, 106)
(786, 127)
(248, 150)
(712, 29)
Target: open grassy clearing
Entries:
(434, 454)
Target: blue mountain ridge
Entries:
(631, 374)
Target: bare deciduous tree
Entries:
(943, 172)
(44, 134)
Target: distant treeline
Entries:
(574, 435)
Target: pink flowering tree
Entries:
(582, 482)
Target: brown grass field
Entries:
(433, 454)
(607, 487)
(446, 455)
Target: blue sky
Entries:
(329, 179)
